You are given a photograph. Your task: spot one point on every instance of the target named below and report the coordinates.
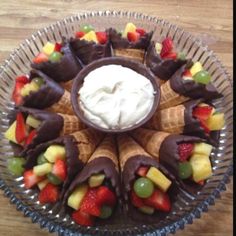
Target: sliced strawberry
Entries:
(202, 113)
(105, 196)
(30, 137)
(22, 79)
(136, 201)
(79, 34)
(159, 200)
(49, 194)
(101, 37)
(60, 169)
(133, 36)
(21, 131)
(57, 47)
(185, 150)
(142, 171)
(141, 31)
(16, 96)
(187, 73)
(30, 179)
(204, 126)
(201, 182)
(167, 46)
(89, 203)
(41, 57)
(82, 218)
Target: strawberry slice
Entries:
(16, 96)
(136, 201)
(185, 150)
(21, 131)
(60, 169)
(79, 34)
(49, 194)
(133, 36)
(41, 57)
(105, 196)
(167, 46)
(170, 55)
(142, 171)
(57, 47)
(187, 73)
(201, 182)
(82, 218)
(101, 37)
(22, 79)
(204, 126)
(89, 203)
(159, 200)
(141, 31)
(30, 179)
(202, 113)
(30, 137)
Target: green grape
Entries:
(202, 77)
(143, 187)
(39, 81)
(185, 170)
(86, 28)
(53, 179)
(41, 159)
(106, 212)
(15, 166)
(181, 56)
(55, 57)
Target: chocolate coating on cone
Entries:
(48, 94)
(64, 70)
(163, 68)
(74, 165)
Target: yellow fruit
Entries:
(55, 152)
(42, 184)
(202, 148)
(216, 122)
(41, 170)
(197, 66)
(158, 47)
(30, 87)
(77, 196)
(10, 134)
(130, 27)
(96, 180)
(201, 167)
(48, 48)
(90, 36)
(158, 178)
(31, 121)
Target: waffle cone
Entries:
(71, 124)
(150, 140)
(128, 148)
(67, 85)
(106, 149)
(169, 97)
(87, 141)
(63, 105)
(135, 54)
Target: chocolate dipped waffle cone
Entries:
(133, 54)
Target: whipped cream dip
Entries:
(116, 97)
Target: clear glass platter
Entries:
(187, 207)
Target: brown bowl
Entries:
(136, 66)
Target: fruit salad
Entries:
(150, 191)
(94, 199)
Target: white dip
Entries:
(114, 96)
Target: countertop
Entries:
(211, 20)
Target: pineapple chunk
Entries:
(90, 36)
(43, 184)
(158, 178)
(202, 148)
(96, 180)
(10, 134)
(130, 27)
(30, 87)
(201, 167)
(77, 196)
(41, 170)
(216, 122)
(158, 47)
(31, 121)
(197, 66)
(48, 48)
(55, 152)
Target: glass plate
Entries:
(187, 207)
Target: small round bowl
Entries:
(136, 66)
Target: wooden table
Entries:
(211, 20)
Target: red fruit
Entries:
(136, 201)
(159, 200)
(57, 47)
(202, 113)
(133, 36)
(30, 179)
(22, 79)
(21, 131)
(30, 137)
(105, 196)
(141, 31)
(82, 218)
(79, 34)
(171, 55)
(89, 204)
(16, 96)
(41, 57)
(185, 150)
(142, 171)
(49, 194)
(167, 46)
(187, 73)
(204, 126)
(201, 182)
(101, 37)
(60, 169)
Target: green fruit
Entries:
(86, 28)
(15, 166)
(55, 57)
(39, 81)
(53, 179)
(143, 187)
(147, 210)
(106, 212)
(181, 56)
(202, 77)
(41, 159)
(185, 170)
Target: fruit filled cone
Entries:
(178, 90)
(132, 50)
(63, 70)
